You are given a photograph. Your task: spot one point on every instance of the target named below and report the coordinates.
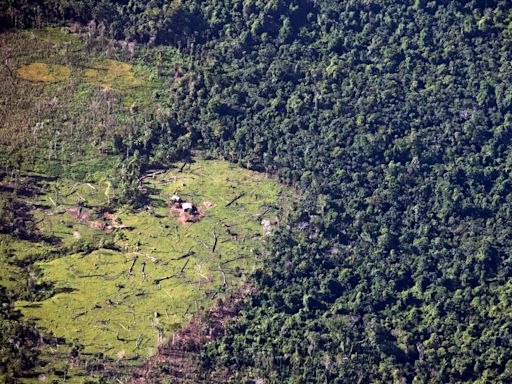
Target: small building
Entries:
(188, 207)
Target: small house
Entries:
(188, 207)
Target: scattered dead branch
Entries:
(230, 202)
(130, 271)
(215, 240)
(184, 256)
(181, 350)
(144, 276)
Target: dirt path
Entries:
(177, 360)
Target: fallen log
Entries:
(79, 314)
(184, 256)
(184, 266)
(235, 199)
(93, 275)
(224, 281)
(260, 216)
(151, 175)
(130, 271)
(235, 259)
(144, 276)
(215, 240)
(160, 279)
(137, 343)
(73, 190)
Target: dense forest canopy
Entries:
(393, 119)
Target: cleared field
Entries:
(158, 271)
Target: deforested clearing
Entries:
(146, 275)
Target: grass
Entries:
(112, 74)
(55, 36)
(122, 315)
(44, 73)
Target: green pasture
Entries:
(125, 315)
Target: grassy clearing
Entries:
(44, 73)
(113, 74)
(123, 315)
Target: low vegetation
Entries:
(45, 73)
(112, 74)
